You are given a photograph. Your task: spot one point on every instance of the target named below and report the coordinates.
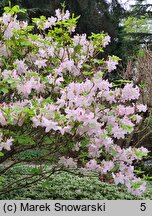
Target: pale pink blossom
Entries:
(2, 119)
(66, 15)
(137, 191)
(92, 165)
(58, 14)
(118, 132)
(6, 74)
(142, 107)
(107, 142)
(50, 22)
(77, 146)
(42, 53)
(111, 64)
(41, 63)
(6, 18)
(49, 125)
(50, 51)
(24, 88)
(36, 120)
(12, 26)
(129, 92)
(122, 110)
(94, 151)
(6, 144)
(68, 162)
(106, 40)
(119, 178)
(20, 65)
(137, 118)
(106, 166)
(101, 84)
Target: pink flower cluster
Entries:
(5, 143)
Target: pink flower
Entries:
(79, 114)
(6, 144)
(108, 96)
(102, 84)
(127, 122)
(68, 162)
(94, 151)
(111, 64)
(41, 63)
(2, 119)
(13, 25)
(50, 22)
(58, 14)
(129, 92)
(137, 191)
(106, 40)
(65, 129)
(24, 89)
(66, 15)
(107, 142)
(6, 18)
(142, 107)
(6, 74)
(106, 166)
(68, 65)
(21, 67)
(92, 165)
(118, 132)
(77, 146)
(10, 74)
(42, 53)
(122, 110)
(36, 121)
(49, 125)
(129, 110)
(50, 51)
(118, 178)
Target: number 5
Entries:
(143, 207)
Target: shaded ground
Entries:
(63, 185)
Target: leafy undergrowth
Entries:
(64, 185)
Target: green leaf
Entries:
(87, 72)
(4, 90)
(1, 154)
(85, 142)
(127, 128)
(136, 185)
(140, 154)
(24, 139)
(109, 129)
(87, 66)
(116, 167)
(113, 152)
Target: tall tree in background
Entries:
(138, 24)
(95, 15)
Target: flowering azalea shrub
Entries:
(54, 95)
